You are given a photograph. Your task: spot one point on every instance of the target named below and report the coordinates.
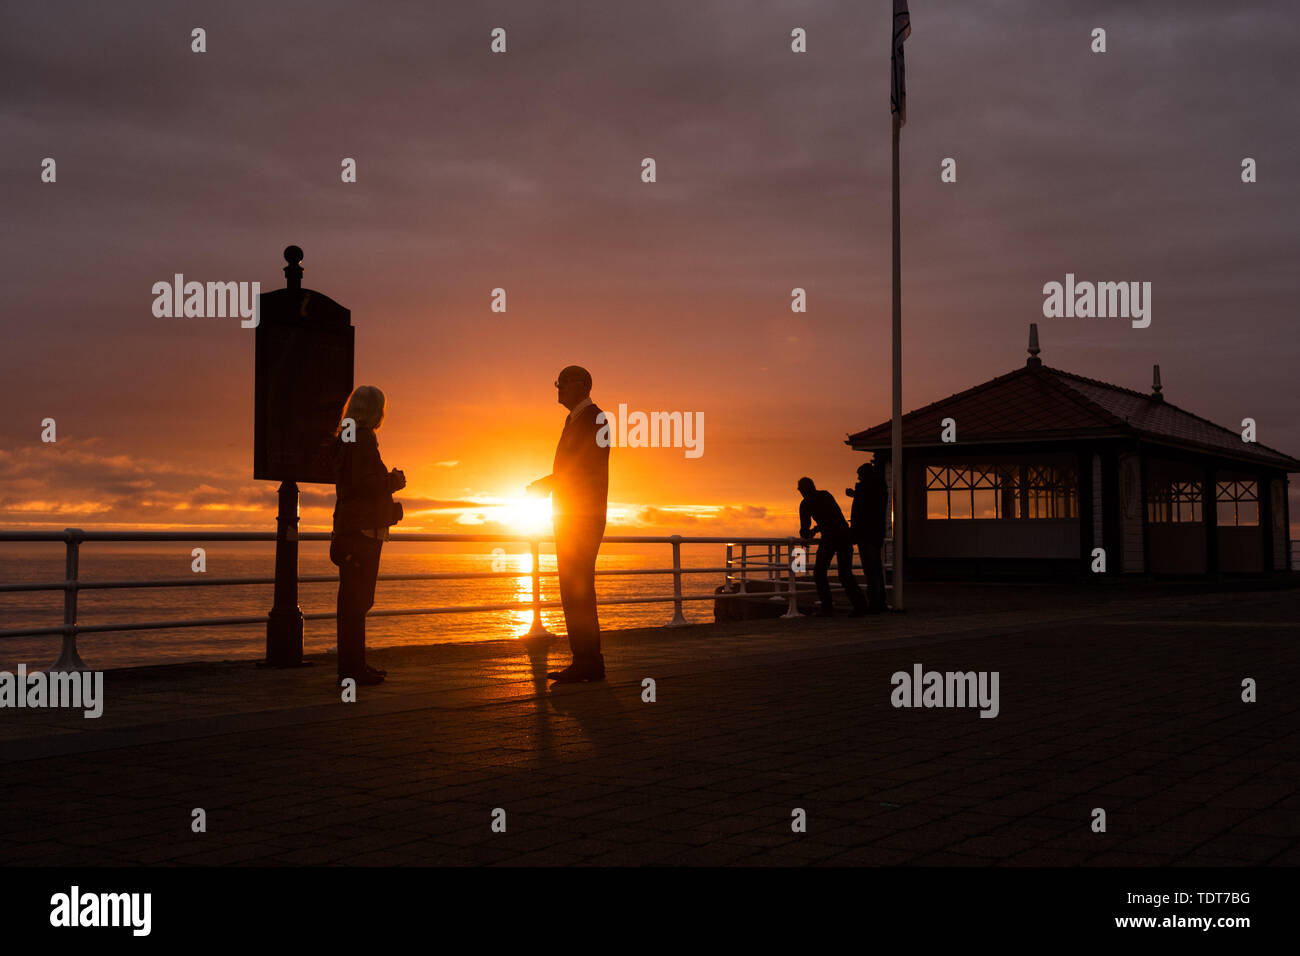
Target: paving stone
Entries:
(753, 720)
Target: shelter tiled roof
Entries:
(1042, 403)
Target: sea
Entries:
(44, 562)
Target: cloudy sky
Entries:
(522, 171)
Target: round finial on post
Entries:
(293, 271)
(1033, 361)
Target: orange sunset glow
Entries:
(676, 294)
(652, 436)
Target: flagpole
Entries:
(896, 429)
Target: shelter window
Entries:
(1173, 502)
(1000, 491)
(1238, 503)
(1052, 491)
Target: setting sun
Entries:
(529, 515)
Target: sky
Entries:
(522, 171)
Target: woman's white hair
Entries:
(365, 406)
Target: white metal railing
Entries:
(770, 564)
(775, 564)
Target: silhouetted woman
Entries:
(362, 515)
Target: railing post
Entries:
(538, 629)
(744, 566)
(793, 609)
(69, 659)
(679, 619)
(729, 565)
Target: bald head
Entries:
(572, 385)
(577, 373)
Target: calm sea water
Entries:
(27, 563)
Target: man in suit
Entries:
(579, 489)
(836, 543)
(867, 522)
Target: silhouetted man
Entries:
(579, 488)
(867, 522)
(821, 506)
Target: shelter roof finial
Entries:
(1033, 361)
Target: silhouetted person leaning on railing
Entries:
(821, 506)
(363, 513)
(579, 489)
(867, 522)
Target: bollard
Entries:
(538, 629)
(793, 609)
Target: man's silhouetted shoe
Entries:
(569, 675)
(577, 674)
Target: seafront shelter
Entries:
(1030, 472)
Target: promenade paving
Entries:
(1124, 698)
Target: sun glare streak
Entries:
(519, 590)
(522, 618)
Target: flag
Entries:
(902, 30)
